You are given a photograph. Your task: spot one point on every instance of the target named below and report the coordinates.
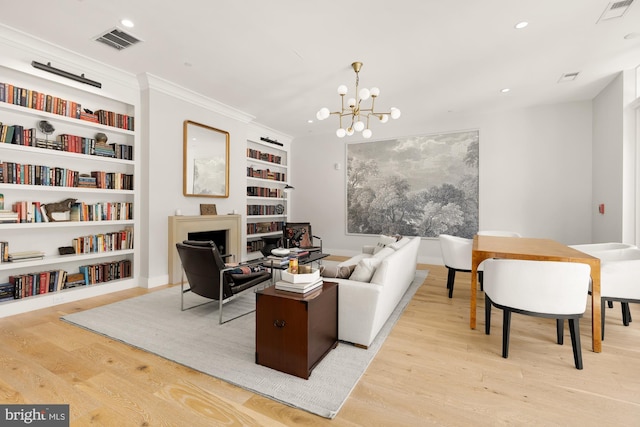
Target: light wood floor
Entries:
(432, 370)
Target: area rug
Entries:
(155, 323)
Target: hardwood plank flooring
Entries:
(432, 370)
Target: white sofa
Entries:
(364, 306)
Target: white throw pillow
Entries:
(365, 269)
(383, 241)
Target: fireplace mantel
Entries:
(180, 226)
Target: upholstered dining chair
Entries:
(208, 276)
(551, 289)
(619, 269)
(456, 255)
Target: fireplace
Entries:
(182, 227)
(218, 237)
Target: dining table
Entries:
(525, 248)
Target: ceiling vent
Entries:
(568, 77)
(615, 10)
(117, 39)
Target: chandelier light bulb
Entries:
(323, 113)
(349, 131)
(375, 92)
(384, 118)
(351, 102)
(341, 133)
(358, 126)
(366, 133)
(395, 113)
(342, 90)
(364, 93)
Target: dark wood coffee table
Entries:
(294, 332)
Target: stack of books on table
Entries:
(301, 288)
(25, 256)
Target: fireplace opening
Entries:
(219, 238)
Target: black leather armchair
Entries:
(208, 276)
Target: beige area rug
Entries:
(155, 323)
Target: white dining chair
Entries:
(550, 289)
(456, 255)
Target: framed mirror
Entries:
(205, 161)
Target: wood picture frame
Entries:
(208, 209)
(205, 161)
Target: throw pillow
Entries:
(364, 269)
(345, 271)
(383, 241)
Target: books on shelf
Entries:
(25, 256)
(301, 288)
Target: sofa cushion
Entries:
(384, 252)
(365, 269)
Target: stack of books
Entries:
(25, 256)
(299, 283)
(7, 216)
(301, 288)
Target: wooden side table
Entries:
(294, 332)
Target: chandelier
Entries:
(354, 116)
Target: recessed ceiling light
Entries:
(520, 25)
(568, 77)
(309, 121)
(505, 90)
(127, 23)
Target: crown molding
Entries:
(150, 81)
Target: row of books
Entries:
(267, 157)
(29, 98)
(263, 210)
(106, 271)
(113, 180)
(264, 227)
(265, 174)
(102, 211)
(264, 192)
(16, 134)
(104, 242)
(42, 282)
(8, 217)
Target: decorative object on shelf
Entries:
(270, 243)
(279, 209)
(354, 111)
(66, 250)
(46, 128)
(205, 161)
(280, 252)
(208, 209)
(63, 206)
(81, 78)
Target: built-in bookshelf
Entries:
(267, 177)
(67, 177)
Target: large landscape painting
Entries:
(415, 186)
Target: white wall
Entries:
(535, 176)
(607, 163)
